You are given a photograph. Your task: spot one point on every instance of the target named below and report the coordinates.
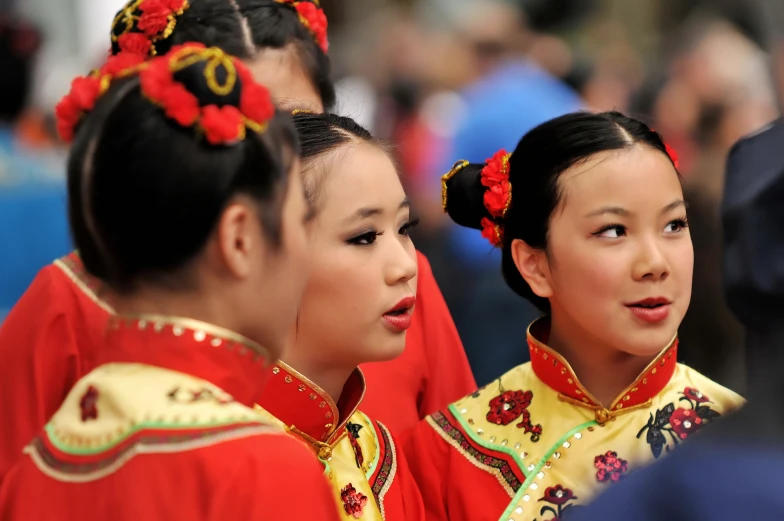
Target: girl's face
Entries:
(359, 299)
(618, 270)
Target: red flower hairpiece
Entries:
(312, 16)
(85, 91)
(498, 196)
(142, 23)
(222, 125)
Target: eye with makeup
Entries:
(369, 237)
(616, 231)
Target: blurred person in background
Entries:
(506, 95)
(32, 195)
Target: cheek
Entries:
(340, 281)
(579, 276)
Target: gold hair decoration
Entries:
(458, 166)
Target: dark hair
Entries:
(146, 193)
(241, 27)
(19, 43)
(320, 134)
(534, 168)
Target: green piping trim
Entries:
(520, 493)
(372, 467)
(486, 444)
(50, 431)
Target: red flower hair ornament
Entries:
(498, 196)
(140, 24)
(312, 16)
(224, 75)
(85, 91)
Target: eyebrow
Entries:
(364, 213)
(623, 212)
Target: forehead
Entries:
(284, 75)
(359, 175)
(638, 177)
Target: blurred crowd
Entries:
(458, 79)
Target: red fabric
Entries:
(47, 342)
(261, 477)
(432, 459)
(431, 373)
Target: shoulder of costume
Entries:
(722, 399)
(72, 267)
(123, 411)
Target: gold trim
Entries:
(549, 350)
(76, 279)
(326, 397)
(458, 166)
(160, 321)
(490, 470)
(392, 471)
(139, 449)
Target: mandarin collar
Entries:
(224, 358)
(553, 369)
(306, 409)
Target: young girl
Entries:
(589, 214)
(185, 198)
(55, 330)
(356, 308)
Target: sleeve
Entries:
(39, 362)
(428, 457)
(282, 480)
(449, 376)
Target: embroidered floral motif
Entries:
(353, 501)
(679, 423)
(353, 436)
(559, 497)
(510, 405)
(88, 404)
(610, 468)
(470, 451)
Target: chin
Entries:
(389, 349)
(649, 343)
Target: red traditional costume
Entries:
(163, 429)
(432, 371)
(369, 475)
(535, 443)
(48, 341)
(53, 335)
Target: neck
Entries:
(187, 304)
(331, 379)
(604, 371)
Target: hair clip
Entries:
(85, 91)
(140, 24)
(312, 16)
(497, 197)
(458, 166)
(301, 111)
(221, 125)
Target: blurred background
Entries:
(447, 80)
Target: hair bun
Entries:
(312, 16)
(208, 90)
(462, 194)
(144, 26)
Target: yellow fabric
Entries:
(571, 438)
(340, 465)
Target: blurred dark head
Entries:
(268, 35)
(19, 43)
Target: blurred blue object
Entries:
(33, 215)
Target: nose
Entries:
(402, 263)
(651, 263)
